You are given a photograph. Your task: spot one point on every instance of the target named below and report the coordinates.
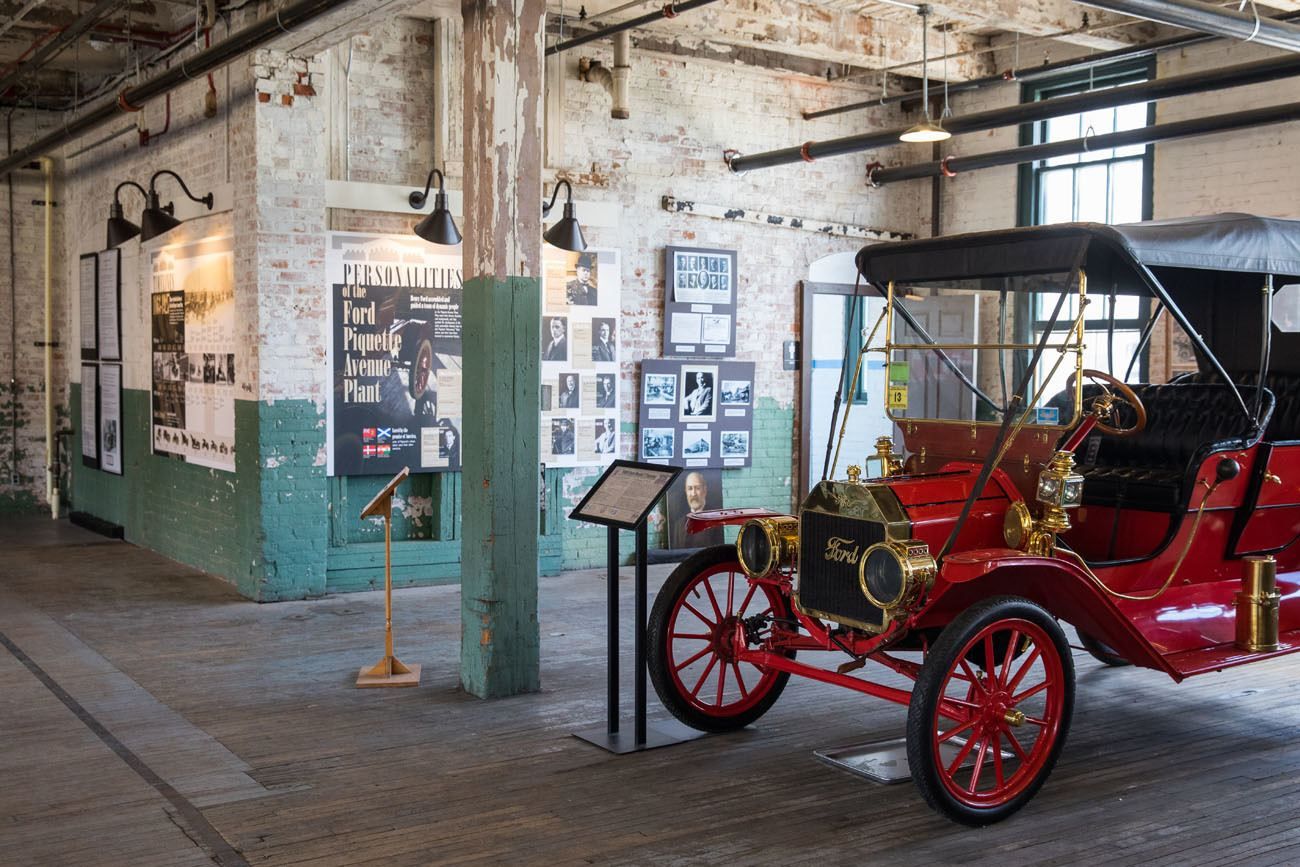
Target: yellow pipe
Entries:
(51, 488)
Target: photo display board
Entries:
(395, 355)
(192, 323)
(697, 413)
(109, 307)
(625, 494)
(90, 415)
(88, 305)
(581, 346)
(699, 302)
(110, 418)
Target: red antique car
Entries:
(1159, 520)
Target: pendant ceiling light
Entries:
(566, 234)
(927, 130)
(438, 227)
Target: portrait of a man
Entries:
(581, 290)
(699, 398)
(602, 339)
(694, 491)
(557, 347)
(561, 436)
(569, 398)
(605, 394)
(606, 436)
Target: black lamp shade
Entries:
(566, 234)
(155, 221)
(120, 229)
(439, 227)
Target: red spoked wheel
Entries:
(691, 643)
(990, 710)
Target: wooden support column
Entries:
(501, 328)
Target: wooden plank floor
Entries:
(247, 712)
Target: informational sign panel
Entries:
(88, 305)
(192, 317)
(581, 346)
(90, 415)
(625, 494)
(395, 354)
(697, 414)
(110, 305)
(110, 418)
(700, 302)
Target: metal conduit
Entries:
(87, 20)
(672, 10)
(1223, 21)
(133, 99)
(1033, 73)
(1179, 85)
(954, 165)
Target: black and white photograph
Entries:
(581, 290)
(449, 446)
(697, 444)
(702, 276)
(660, 388)
(735, 392)
(606, 394)
(699, 396)
(562, 436)
(548, 398)
(602, 339)
(569, 391)
(658, 442)
(605, 441)
(556, 336)
(735, 443)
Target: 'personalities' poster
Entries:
(192, 312)
(395, 354)
(581, 347)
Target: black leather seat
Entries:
(1284, 425)
(1154, 469)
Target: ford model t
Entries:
(1031, 486)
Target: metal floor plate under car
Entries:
(885, 761)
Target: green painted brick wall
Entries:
(199, 516)
(294, 500)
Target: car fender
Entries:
(1060, 586)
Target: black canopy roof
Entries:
(1110, 254)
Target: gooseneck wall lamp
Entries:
(120, 229)
(157, 220)
(438, 227)
(566, 234)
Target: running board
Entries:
(1228, 655)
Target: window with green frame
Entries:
(1106, 185)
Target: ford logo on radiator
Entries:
(838, 550)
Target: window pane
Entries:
(1057, 205)
(1131, 116)
(1092, 194)
(1062, 129)
(1126, 191)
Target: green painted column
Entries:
(501, 328)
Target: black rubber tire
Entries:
(658, 648)
(925, 695)
(423, 349)
(1101, 651)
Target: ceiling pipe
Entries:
(1033, 73)
(955, 165)
(672, 10)
(134, 98)
(1219, 20)
(1145, 91)
(47, 51)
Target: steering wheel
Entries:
(1102, 406)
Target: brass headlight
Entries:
(894, 574)
(1017, 525)
(765, 543)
